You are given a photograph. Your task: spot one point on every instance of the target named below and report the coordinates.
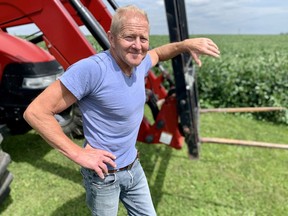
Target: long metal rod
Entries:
(243, 109)
(243, 142)
(113, 4)
(91, 23)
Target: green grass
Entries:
(226, 180)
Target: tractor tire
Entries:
(70, 121)
(5, 176)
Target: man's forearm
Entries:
(194, 46)
(170, 50)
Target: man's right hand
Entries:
(97, 160)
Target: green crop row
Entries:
(252, 72)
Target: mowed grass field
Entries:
(226, 180)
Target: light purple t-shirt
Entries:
(111, 103)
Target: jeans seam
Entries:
(132, 178)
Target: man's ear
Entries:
(110, 38)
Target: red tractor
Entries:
(26, 69)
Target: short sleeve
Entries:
(81, 78)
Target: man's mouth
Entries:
(135, 55)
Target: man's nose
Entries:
(137, 43)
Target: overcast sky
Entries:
(218, 16)
(222, 16)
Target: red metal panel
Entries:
(62, 35)
(100, 12)
(17, 12)
(21, 50)
(14, 50)
(165, 123)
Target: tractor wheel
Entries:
(71, 122)
(5, 176)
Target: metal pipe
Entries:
(113, 4)
(91, 23)
(243, 143)
(243, 109)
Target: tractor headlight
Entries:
(39, 82)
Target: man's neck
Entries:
(127, 70)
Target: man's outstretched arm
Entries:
(194, 46)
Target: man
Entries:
(109, 88)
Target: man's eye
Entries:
(143, 40)
(129, 38)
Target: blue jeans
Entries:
(130, 186)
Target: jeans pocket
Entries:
(109, 180)
(90, 177)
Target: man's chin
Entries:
(135, 63)
(135, 60)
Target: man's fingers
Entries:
(196, 59)
(214, 48)
(214, 51)
(207, 47)
(101, 167)
(108, 154)
(211, 43)
(97, 160)
(104, 168)
(99, 172)
(109, 158)
(210, 49)
(110, 162)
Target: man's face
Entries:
(132, 43)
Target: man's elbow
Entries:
(28, 114)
